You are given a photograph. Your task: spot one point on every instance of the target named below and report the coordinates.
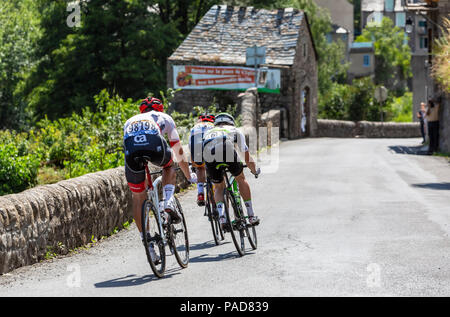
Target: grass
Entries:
(50, 175)
(61, 249)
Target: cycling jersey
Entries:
(219, 151)
(152, 122)
(196, 142)
(228, 132)
(144, 137)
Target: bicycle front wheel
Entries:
(180, 239)
(234, 225)
(153, 242)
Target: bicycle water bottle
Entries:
(236, 192)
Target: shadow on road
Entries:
(204, 245)
(411, 150)
(132, 280)
(436, 186)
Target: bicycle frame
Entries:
(152, 195)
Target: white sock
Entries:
(142, 235)
(248, 205)
(201, 188)
(220, 209)
(168, 192)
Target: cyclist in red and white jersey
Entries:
(144, 137)
(204, 123)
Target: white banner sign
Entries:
(225, 77)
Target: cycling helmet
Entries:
(206, 117)
(152, 103)
(224, 118)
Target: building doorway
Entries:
(305, 103)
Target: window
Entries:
(366, 61)
(423, 24)
(423, 42)
(400, 19)
(389, 5)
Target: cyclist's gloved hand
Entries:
(193, 178)
(257, 172)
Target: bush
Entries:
(18, 169)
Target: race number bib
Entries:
(141, 127)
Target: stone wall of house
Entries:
(366, 129)
(63, 216)
(304, 78)
(444, 125)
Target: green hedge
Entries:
(76, 145)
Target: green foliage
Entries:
(121, 46)
(400, 110)
(18, 34)
(356, 102)
(18, 167)
(392, 53)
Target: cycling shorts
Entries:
(151, 146)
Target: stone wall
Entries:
(336, 128)
(63, 216)
(350, 129)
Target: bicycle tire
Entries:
(252, 237)
(214, 221)
(150, 225)
(240, 245)
(180, 246)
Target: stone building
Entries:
(362, 60)
(341, 13)
(217, 47)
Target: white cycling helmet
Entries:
(224, 118)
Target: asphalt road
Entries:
(340, 217)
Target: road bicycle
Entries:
(237, 221)
(158, 229)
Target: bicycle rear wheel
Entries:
(214, 219)
(236, 231)
(153, 239)
(179, 238)
(252, 238)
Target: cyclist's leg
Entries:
(237, 170)
(136, 183)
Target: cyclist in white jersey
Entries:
(220, 145)
(144, 137)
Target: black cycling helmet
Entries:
(224, 118)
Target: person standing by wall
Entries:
(421, 116)
(433, 126)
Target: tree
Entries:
(121, 46)
(392, 54)
(18, 35)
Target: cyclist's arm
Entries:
(243, 148)
(250, 162)
(180, 158)
(177, 147)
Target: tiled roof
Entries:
(361, 47)
(372, 5)
(225, 32)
